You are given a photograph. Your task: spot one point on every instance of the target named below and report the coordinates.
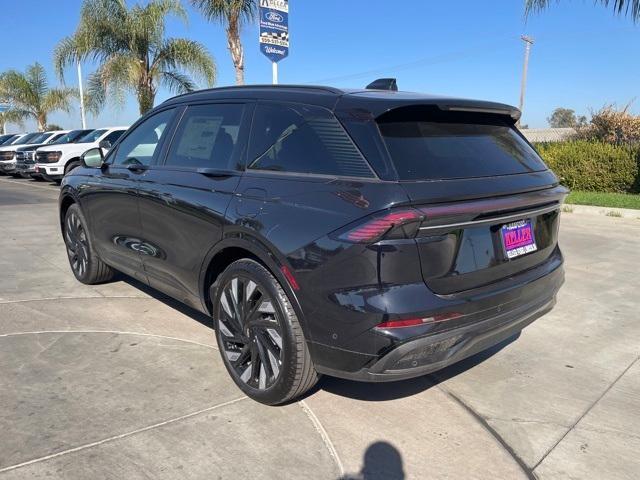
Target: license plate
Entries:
(517, 238)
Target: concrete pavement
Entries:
(117, 381)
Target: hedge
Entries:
(593, 166)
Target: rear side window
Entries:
(207, 137)
(303, 139)
(426, 148)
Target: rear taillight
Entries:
(402, 223)
(414, 322)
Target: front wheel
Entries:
(85, 264)
(259, 336)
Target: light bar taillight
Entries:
(414, 322)
(403, 222)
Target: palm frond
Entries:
(223, 10)
(59, 99)
(177, 82)
(627, 8)
(188, 55)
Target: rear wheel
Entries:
(85, 264)
(259, 336)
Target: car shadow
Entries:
(380, 392)
(370, 392)
(168, 301)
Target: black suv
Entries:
(367, 234)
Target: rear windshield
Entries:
(449, 147)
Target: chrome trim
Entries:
(505, 218)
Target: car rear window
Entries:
(427, 147)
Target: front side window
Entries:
(207, 137)
(303, 139)
(141, 145)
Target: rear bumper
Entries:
(490, 317)
(424, 355)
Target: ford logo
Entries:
(273, 17)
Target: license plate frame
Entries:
(518, 238)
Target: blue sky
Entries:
(584, 57)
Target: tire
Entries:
(70, 166)
(265, 352)
(85, 264)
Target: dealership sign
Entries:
(274, 29)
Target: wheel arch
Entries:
(234, 248)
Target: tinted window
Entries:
(55, 137)
(303, 139)
(5, 138)
(113, 136)
(423, 150)
(207, 137)
(71, 137)
(92, 137)
(26, 139)
(139, 147)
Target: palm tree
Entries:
(629, 8)
(232, 13)
(30, 97)
(133, 53)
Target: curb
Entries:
(607, 211)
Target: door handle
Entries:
(137, 167)
(216, 172)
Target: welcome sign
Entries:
(274, 29)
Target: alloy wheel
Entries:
(75, 239)
(250, 332)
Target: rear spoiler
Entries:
(514, 113)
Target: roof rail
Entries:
(332, 90)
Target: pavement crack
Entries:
(521, 463)
(122, 435)
(324, 435)
(584, 414)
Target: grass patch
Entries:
(612, 200)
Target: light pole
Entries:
(528, 41)
(82, 116)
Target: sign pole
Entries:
(275, 72)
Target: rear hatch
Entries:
(490, 206)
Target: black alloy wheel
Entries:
(259, 336)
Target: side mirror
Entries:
(106, 144)
(93, 158)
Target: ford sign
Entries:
(273, 17)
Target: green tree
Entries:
(53, 126)
(232, 14)
(30, 96)
(563, 118)
(133, 52)
(629, 8)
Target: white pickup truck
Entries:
(8, 153)
(54, 161)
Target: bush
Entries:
(612, 126)
(593, 165)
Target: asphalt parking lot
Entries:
(117, 381)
